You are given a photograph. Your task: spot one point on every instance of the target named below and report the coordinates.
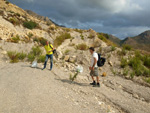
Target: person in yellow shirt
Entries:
(49, 54)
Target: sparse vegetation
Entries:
(60, 39)
(123, 62)
(15, 57)
(147, 80)
(82, 46)
(66, 51)
(14, 21)
(30, 35)
(82, 37)
(123, 52)
(41, 59)
(35, 52)
(15, 39)
(127, 47)
(113, 48)
(125, 72)
(79, 31)
(30, 24)
(6, 2)
(40, 40)
(22, 56)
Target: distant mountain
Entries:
(142, 41)
(115, 40)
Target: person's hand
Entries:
(92, 68)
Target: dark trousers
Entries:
(51, 61)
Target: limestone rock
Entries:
(4, 52)
(72, 59)
(110, 63)
(67, 57)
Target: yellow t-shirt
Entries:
(48, 48)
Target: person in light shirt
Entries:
(94, 68)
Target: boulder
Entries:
(4, 52)
(72, 59)
(67, 57)
(110, 63)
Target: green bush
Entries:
(146, 61)
(22, 56)
(13, 56)
(36, 51)
(125, 72)
(124, 63)
(31, 57)
(30, 35)
(60, 39)
(147, 80)
(14, 21)
(66, 51)
(123, 52)
(132, 74)
(30, 24)
(82, 37)
(79, 31)
(42, 41)
(15, 39)
(41, 59)
(113, 48)
(127, 47)
(82, 46)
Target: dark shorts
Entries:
(94, 72)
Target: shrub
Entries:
(14, 21)
(124, 63)
(127, 47)
(79, 31)
(146, 61)
(30, 24)
(125, 72)
(147, 80)
(122, 52)
(91, 36)
(42, 41)
(36, 51)
(82, 37)
(82, 46)
(41, 59)
(132, 74)
(135, 62)
(30, 35)
(113, 48)
(31, 57)
(13, 56)
(15, 39)
(60, 39)
(6, 2)
(66, 51)
(21, 56)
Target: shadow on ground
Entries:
(72, 82)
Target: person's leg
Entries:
(51, 62)
(91, 74)
(45, 63)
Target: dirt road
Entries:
(28, 90)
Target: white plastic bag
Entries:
(34, 64)
(79, 69)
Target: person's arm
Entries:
(95, 61)
(52, 48)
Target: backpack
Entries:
(101, 61)
(54, 51)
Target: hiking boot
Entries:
(96, 85)
(93, 83)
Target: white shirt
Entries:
(94, 55)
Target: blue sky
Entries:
(121, 18)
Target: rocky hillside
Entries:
(22, 37)
(142, 41)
